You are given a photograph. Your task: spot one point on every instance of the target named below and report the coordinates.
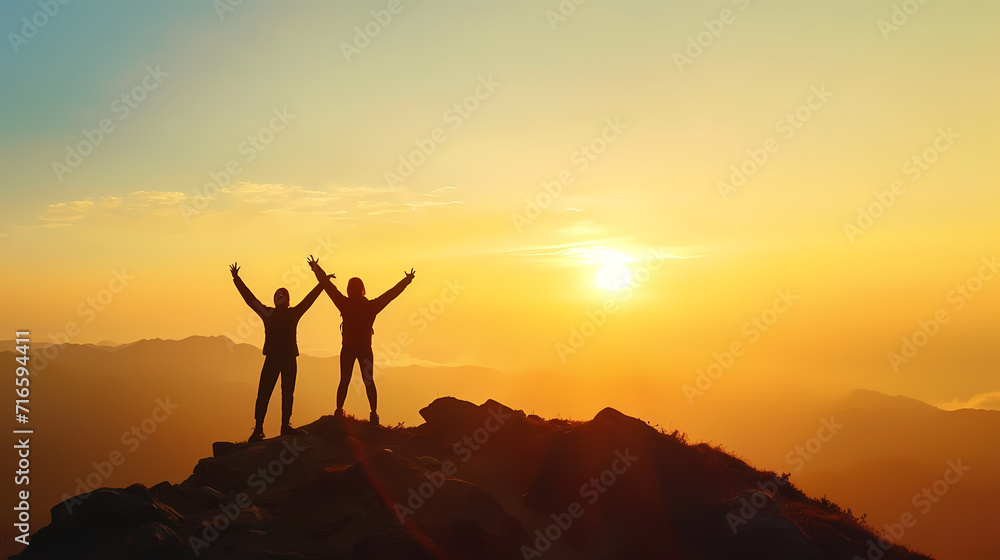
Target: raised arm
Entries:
(391, 294)
(248, 296)
(307, 301)
(325, 283)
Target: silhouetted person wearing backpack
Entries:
(280, 350)
(359, 314)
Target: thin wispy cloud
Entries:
(64, 214)
(982, 401)
(346, 203)
(619, 250)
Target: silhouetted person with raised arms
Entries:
(280, 350)
(359, 314)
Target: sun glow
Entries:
(613, 277)
(613, 274)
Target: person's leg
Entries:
(288, 371)
(367, 362)
(268, 377)
(347, 357)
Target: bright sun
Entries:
(613, 275)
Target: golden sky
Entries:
(517, 160)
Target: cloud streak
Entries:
(983, 401)
(620, 251)
(344, 203)
(65, 214)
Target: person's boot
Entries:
(373, 418)
(288, 430)
(339, 413)
(257, 435)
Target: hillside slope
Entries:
(471, 482)
(87, 399)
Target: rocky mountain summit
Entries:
(472, 482)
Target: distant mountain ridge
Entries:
(896, 458)
(890, 449)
